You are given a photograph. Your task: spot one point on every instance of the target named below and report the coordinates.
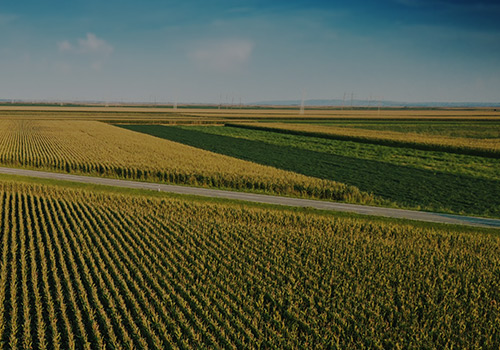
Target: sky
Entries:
(255, 50)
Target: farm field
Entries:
(489, 147)
(394, 172)
(259, 175)
(464, 129)
(410, 177)
(159, 114)
(91, 147)
(102, 269)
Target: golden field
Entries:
(84, 270)
(165, 114)
(101, 149)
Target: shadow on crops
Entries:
(404, 185)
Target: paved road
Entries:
(261, 198)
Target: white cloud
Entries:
(224, 56)
(92, 46)
(64, 46)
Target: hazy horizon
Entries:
(227, 51)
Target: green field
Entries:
(469, 129)
(408, 177)
(98, 269)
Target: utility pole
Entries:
(302, 107)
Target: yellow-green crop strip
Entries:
(489, 147)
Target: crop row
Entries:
(102, 149)
(485, 129)
(81, 271)
(461, 145)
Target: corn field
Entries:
(461, 145)
(82, 270)
(96, 148)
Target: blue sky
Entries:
(198, 51)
